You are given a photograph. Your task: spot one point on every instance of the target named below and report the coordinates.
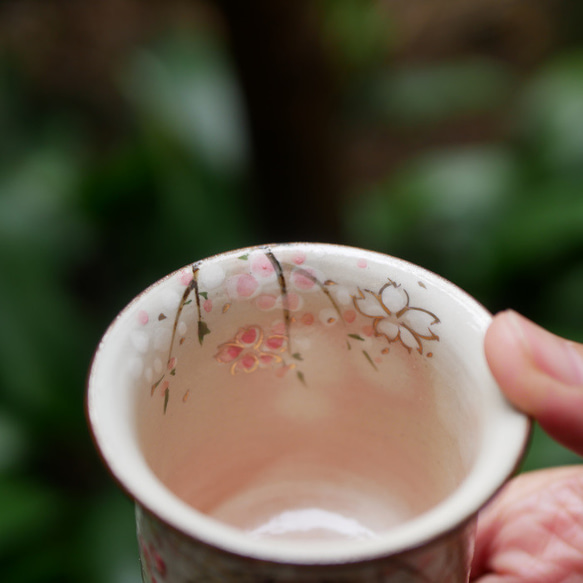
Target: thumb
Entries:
(542, 374)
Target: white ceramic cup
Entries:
(303, 412)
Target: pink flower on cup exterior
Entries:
(152, 559)
(252, 349)
(393, 317)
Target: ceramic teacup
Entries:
(303, 412)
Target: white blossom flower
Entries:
(393, 317)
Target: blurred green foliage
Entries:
(418, 95)
(84, 229)
(80, 234)
(503, 221)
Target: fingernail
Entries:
(551, 354)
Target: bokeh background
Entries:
(137, 137)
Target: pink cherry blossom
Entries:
(303, 279)
(185, 276)
(246, 285)
(261, 266)
(251, 349)
(266, 302)
(299, 258)
(278, 327)
(294, 301)
(349, 316)
(275, 343)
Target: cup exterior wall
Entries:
(168, 556)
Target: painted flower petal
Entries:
(420, 321)
(278, 327)
(266, 302)
(185, 276)
(394, 297)
(246, 285)
(387, 328)
(261, 265)
(368, 304)
(247, 363)
(276, 343)
(248, 336)
(267, 360)
(228, 352)
(282, 370)
(303, 279)
(409, 340)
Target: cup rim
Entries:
(431, 526)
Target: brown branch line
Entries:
(191, 286)
(315, 280)
(284, 295)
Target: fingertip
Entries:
(540, 374)
(508, 359)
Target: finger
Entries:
(542, 374)
(523, 498)
(533, 530)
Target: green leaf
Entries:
(300, 376)
(367, 355)
(205, 295)
(356, 337)
(297, 356)
(155, 385)
(203, 330)
(244, 257)
(166, 397)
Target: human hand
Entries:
(533, 531)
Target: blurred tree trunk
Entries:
(291, 100)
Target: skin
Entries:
(533, 531)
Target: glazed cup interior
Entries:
(301, 402)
